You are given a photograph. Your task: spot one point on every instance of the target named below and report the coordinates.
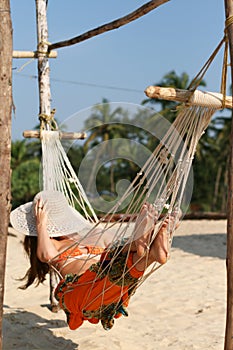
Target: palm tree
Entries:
(103, 124)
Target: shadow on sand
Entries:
(26, 330)
(212, 245)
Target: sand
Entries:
(181, 306)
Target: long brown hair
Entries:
(37, 270)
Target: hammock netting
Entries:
(161, 181)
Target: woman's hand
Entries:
(40, 213)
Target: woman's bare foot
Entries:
(144, 226)
(159, 247)
(159, 250)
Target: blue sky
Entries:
(180, 35)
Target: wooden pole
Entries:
(44, 95)
(229, 259)
(63, 135)
(5, 138)
(43, 60)
(32, 54)
(199, 98)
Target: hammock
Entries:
(161, 181)
(58, 174)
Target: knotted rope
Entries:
(198, 78)
(48, 122)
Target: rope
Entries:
(41, 45)
(199, 77)
(58, 174)
(224, 72)
(207, 99)
(25, 64)
(48, 121)
(228, 22)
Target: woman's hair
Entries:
(38, 270)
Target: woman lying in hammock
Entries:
(98, 276)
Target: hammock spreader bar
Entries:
(196, 98)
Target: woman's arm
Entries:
(46, 250)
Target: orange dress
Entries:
(102, 292)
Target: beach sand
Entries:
(181, 306)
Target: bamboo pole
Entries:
(5, 139)
(32, 54)
(199, 98)
(63, 135)
(229, 259)
(43, 61)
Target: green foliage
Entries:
(25, 163)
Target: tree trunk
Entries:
(216, 188)
(5, 139)
(225, 187)
(229, 260)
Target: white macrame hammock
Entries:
(161, 181)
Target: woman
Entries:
(97, 276)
